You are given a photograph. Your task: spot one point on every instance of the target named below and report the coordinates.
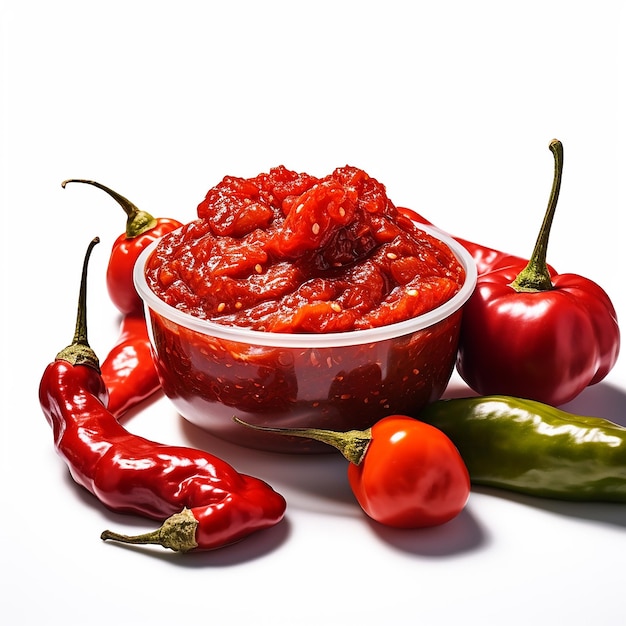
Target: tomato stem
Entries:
(535, 276)
(352, 444)
(79, 352)
(137, 221)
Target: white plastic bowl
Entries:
(341, 381)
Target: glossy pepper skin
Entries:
(411, 475)
(533, 448)
(546, 346)
(141, 230)
(204, 501)
(531, 333)
(128, 371)
(404, 473)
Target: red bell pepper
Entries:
(530, 332)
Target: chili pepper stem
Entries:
(177, 533)
(79, 352)
(352, 444)
(535, 276)
(137, 221)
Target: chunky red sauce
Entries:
(288, 252)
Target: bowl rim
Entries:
(312, 340)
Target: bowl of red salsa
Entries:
(298, 301)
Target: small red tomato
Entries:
(403, 472)
(410, 476)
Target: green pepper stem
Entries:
(79, 352)
(137, 221)
(535, 276)
(177, 533)
(352, 444)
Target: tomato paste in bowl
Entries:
(297, 301)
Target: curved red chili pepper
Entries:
(141, 230)
(130, 474)
(531, 333)
(128, 370)
(403, 472)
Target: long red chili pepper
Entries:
(205, 503)
(141, 230)
(403, 473)
(534, 334)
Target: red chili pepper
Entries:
(529, 333)
(404, 473)
(141, 230)
(205, 503)
(128, 370)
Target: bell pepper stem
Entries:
(177, 533)
(535, 276)
(137, 221)
(352, 444)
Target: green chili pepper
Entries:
(534, 448)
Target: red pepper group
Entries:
(527, 332)
(128, 370)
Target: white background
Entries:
(452, 106)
